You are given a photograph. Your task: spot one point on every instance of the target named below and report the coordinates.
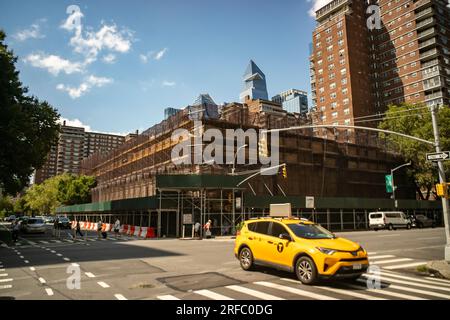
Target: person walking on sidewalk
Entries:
(56, 231)
(15, 231)
(117, 227)
(197, 227)
(78, 230)
(99, 228)
(207, 228)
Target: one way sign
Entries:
(437, 156)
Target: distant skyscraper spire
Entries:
(254, 83)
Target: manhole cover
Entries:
(198, 281)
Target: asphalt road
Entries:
(42, 267)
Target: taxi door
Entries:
(282, 250)
(257, 239)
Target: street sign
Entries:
(388, 180)
(187, 218)
(309, 202)
(436, 156)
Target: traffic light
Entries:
(442, 190)
(284, 171)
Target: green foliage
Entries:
(65, 189)
(410, 120)
(6, 206)
(28, 127)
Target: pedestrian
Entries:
(207, 228)
(197, 226)
(99, 228)
(78, 230)
(56, 228)
(117, 227)
(15, 231)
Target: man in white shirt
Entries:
(117, 227)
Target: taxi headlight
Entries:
(326, 250)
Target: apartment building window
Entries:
(318, 36)
(328, 30)
(322, 99)
(320, 80)
(344, 71)
(321, 90)
(334, 114)
(330, 57)
(344, 91)
(333, 85)
(336, 124)
(330, 48)
(320, 71)
(344, 81)
(324, 118)
(346, 111)
(319, 54)
(322, 108)
(346, 101)
(318, 44)
(334, 105)
(339, 24)
(342, 62)
(333, 95)
(341, 42)
(331, 76)
(340, 33)
(331, 66)
(347, 122)
(329, 39)
(319, 63)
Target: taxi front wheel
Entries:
(306, 270)
(246, 258)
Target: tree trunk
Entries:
(419, 191)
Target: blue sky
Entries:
(126, 61)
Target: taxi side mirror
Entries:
(285, 236)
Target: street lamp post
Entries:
(442, 179)
(235, 156)
(393, 184)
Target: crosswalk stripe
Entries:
(342, 291)
(31, 242)
(438, 280)
(68, 240)
(8, 286)
(212, 295)
(428, 286)
(103, 284)
(3, 274)
(167, 297)
(407, 265)
(295, 291)
(381, 257)
(49, 291)
(44, 242)
(393, 275)
(254, 293)
(392, 261)
(120, 297)
(89, 275)
(6, 280)
(385, 292)
(57, 241)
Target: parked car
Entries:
(11, 218)
(49, 219)
(33, 225)
(390, 220)
(422, 221)
(64, 223)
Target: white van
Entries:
(390, 220)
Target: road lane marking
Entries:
(31, 242)
(120, 297)
(2, 270)
(393, 261)
(389, 235)
(44, 242)
(381, 257)
(167, 297)
(340, 291)
(89, 275)
(103, 284)
(429, 238)
(67, 240)
(6, 280)
(295, 291)
(393, 275)
(3, 274)
(384, 278)
(42, 280)
(66, 259)
(212, 295)
(438, 280)
(49, 291)
(59, 254)
(53, 251)
(57, 241)
(407, 265)
(254, 293)
(32, 268)
(385, 292)
(8, 286)
(26, 261)
(22, 257)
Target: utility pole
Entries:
(442, 179)
(393, 184)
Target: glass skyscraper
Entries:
(254, 84)
(293, 100)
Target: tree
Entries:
(76, 190)
(28, 127)
(6, 206)
(415, 120)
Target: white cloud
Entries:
(74, 123)
(160, 54)
(168, 83)
(317, 4)
(85, 86)
(33, 32)
(109, 58)
(53, 64)
(153, 55)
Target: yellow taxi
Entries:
(300, 246)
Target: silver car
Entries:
(34, 225)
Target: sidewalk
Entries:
(439, 268)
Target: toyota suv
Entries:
(300, 246)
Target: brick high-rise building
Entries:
(74, 145)
(357, 71)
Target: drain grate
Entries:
(199, 281)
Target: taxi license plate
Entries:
(357, 267)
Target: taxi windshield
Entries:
(310, 231)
